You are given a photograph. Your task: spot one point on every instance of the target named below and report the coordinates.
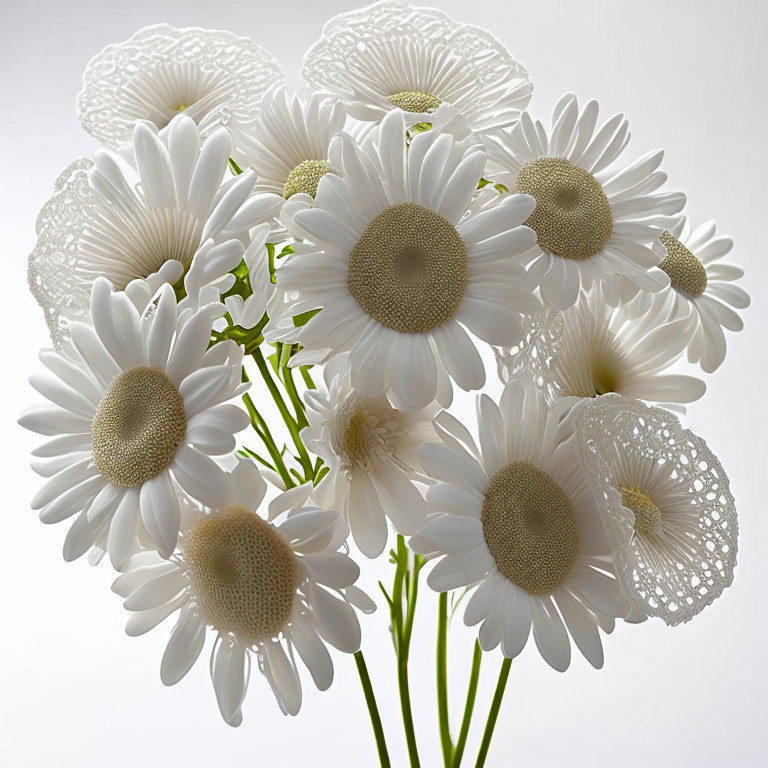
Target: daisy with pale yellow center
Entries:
(702, 287)
(138, 406)
(270, 589)
(370, 448)
(397, 268)
(594, 221)
(515, 521)
(391, 55)
(592, 349)
(666, 504)
(289, 144)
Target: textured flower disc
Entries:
(572, 218)
(305, 177)
(415, 101)
(529, 527)
(243, 572)
(647, 514)
(685, 271)
(138, 426)
(409, 269)
(355, 437)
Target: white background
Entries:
(75, 691)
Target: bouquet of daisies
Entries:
(346, 249)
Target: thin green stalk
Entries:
(493, 713)
(262, 429)
(442, 678)
(402, 635)
(306, 376)
(405, 706)
(373, 710)
(290, 423)
(293, 394)
(474, 677)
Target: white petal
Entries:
(184, 646)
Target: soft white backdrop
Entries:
(75, 691)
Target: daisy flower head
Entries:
(124, 221)
(392, 55)
(593, 348)
(289, 143)
(138, 405)
(666, 504)
(211, 76)
(703, 287)
(515, 520)
(370, 448)
(273, 590)
(593, 221)
(396, 267)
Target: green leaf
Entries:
(304, 317)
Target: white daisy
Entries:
(211, 76)
(593, 221)
(593, 348)
(137, 405)
(666, 504)
(517, 518)
(370, 450)
(397, 266)
(288, 145)
(268, 590)
(702, 287)
(121, 222)
(391, 55)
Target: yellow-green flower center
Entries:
(685, 271)
(305, 177)
(409, 269)
(243, 573)
(415, 101)
(572, 218)
(530, 528)
(647, 514)
(139, 424)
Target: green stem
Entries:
(402, 636)
(405, 706)
(290, 423)
(306, 376)
(474, 677)
(262, 430)
(493, 713)
(373, 710)
(293, 394)
(442, 678)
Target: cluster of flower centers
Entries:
(572, 218)
(529, 527)
(305, 177)
(139, 424)
(647, 514)
(409, 269)
(685, 271)
(415, 101)
(243, 573)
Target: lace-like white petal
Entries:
(689, 559)
(211, 75)
(593, 348)
(390, 47)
